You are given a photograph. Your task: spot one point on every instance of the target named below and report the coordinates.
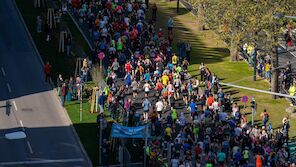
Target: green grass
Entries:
(209, 49)
(87, 129)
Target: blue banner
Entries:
(119, 131)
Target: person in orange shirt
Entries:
(210, 100)
(258, 160)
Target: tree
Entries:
(267, 28)
(200, 15)
(229, 18)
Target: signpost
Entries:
(244, 100)
(101, 56)
(253, 106)
(80, 113)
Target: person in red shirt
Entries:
(47, 71)
(197, 151)
(128, 67)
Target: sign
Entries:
(244, 99)
(101, 55)
(119, 131)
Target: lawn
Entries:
(209, 49)
(87, 128)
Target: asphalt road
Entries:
(29, 104)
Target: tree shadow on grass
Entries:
(200, 52)
(232, 92)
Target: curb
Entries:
(81, 32)
(52, 85)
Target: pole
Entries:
(100, 147)
(80, 113)
(97, 99)
(147, 3)
(146, 142)
(101, 64)
(255, 64)
(122, 153)
(178, 4)
(253, 113)
(253, 110)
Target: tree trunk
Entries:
(200, 16)
(275, 73)
(233, 51)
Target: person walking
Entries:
(146, 105)
(159, 107)
(292, 91)
(170, 24)
(47, 72)
(38, 24)
(154, 10)
(63, 93)
(59, 83)
(265, 117)
(68, 45)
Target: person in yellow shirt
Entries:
(250, 48)
(267, 71)
(168, 131)
(165, 79)
(292, 90)
(174, 59)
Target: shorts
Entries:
(146, 111)
(170, 28)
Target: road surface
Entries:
(29, 104)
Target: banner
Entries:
(119, 131)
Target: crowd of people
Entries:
(190, 126)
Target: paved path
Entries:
(33, 106)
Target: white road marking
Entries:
(30, 148)
(46, 161)
(22, 125)
(8, 87)
(288, 51)
(3, 72)
(14, 104)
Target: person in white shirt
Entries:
(146, 88)
(135, 88)
(159, 107)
